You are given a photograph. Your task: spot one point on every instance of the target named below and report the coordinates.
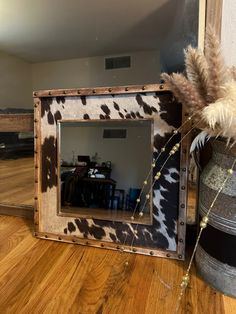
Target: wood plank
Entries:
(31, 275)
(17, 122)
(13, 239)
(229, 304)
(17, 187)
(38, 276)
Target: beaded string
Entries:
(174, 149)
(157, 176)
(162, 150)
(203, 225)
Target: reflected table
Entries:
(99, 185)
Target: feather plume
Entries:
(216, 66)
(208, 92)
(221, 115)
(233, 72)
(184, 91)
(197, 71)
(199, 141)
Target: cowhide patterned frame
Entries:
(166, 236)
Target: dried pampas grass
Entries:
(217, 69)
(197, 71)
(221, 115)
(184, 91)
(233, 72)
(208, 91)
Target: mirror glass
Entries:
(17, 168)
(103, 166)
(50, 45)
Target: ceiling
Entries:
(47, 30)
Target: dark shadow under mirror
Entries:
(103, 165)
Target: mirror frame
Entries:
(54, 105)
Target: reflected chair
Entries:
(131, 198)
(119, 198)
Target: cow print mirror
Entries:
(102, 177)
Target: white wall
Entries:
(18, 78)
(228, 32)
(15, 82)
(131, 158)
(90, 72)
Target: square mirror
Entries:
(98, 155)
(102, 167)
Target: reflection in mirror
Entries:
(16, 168)
(103, 166)
(192, 191)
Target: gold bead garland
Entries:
(203, 224)
(185, 281)
(158, 174)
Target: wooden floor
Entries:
(41, 276)
(17, 181)
(106, 214)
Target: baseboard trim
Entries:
(24, 211)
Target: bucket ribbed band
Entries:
(219, 244)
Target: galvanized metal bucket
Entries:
(216, 253)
